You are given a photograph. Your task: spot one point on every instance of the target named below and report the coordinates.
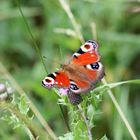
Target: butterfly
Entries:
(80, 75)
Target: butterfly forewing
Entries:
(58, 79)
(62, 80)
(87, 54)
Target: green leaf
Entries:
(95, 99)
(113, 85)
(23, 105)
(104, 138)
(12, 120)
(67, 136)
(80, 131)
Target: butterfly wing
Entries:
(58, 79)
(87, 54)
(85, 78)
(95, 72)
(87, 59)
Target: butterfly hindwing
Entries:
(88, 76)
(79, 86)
(95, 72)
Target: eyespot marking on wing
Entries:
(73, 86)
(48, 82)
(86, 47)
(94, 66)
(94, 43)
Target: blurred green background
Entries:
(118, 32)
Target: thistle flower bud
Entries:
(5, 91)
(75, 99)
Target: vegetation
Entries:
(36, 37)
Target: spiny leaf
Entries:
(104, 138)
(113, 85)
(23, 105)
(67, 136)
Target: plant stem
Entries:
(37, 50)
(93, 30)
(31, 35)
(72, 19)
(85, 121)
(120, 112)
(63, 116)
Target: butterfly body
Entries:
(81, 74)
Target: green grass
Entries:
(42, 30)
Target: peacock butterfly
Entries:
(80, 75)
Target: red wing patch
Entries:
(86, 58)
(62, 79)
